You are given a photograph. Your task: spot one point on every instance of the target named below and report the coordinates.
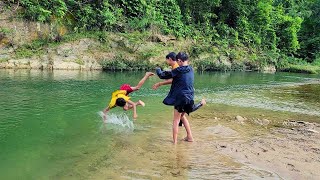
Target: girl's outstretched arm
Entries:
(163, 74)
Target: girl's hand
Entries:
(155, 86)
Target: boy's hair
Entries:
(120, 102)
(171, 55)
(182, 56)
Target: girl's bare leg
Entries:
(186, 124)
(175, 125)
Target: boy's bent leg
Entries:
(186, 124)
(141, 82)
(195, 107)
(200, 104)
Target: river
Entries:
(50, 126)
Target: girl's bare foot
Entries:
(203, 102)
(188, 139)
(141, 103)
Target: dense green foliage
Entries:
(310, 34)
(278, 31)
(119, 63)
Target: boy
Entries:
(171, 60)
(181, 94)
(120, 97)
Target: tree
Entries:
(310, 33)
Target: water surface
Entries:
(50, 127)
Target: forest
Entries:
(281, 31)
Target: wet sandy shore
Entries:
(278, 147)
(230, 143)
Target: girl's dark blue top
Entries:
(182, 90)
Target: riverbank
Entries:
(135, 51)
(278, 145)
(291, 152)
(118, 51)
(310, 69)
(29, 40)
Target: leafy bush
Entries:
(119, 63)
(43, 10)
(36, 47)
(210, 64)
(316, 62)
(302, 69)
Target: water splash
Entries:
(118, 122)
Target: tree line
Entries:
(288, 28)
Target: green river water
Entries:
(50, 126)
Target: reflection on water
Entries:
(284, 93)
(277, 98)
(49, 127)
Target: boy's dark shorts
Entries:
(187, 108)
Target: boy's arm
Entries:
(111, 105)
(105, 113)
(163, 74)
(135, 115)
(165, 82)
(106, 109)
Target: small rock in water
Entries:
(293, 123)
(264, 150)
(240, 119)
(262, 122)
(301, 122)
(312, 130)
(265, 121)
